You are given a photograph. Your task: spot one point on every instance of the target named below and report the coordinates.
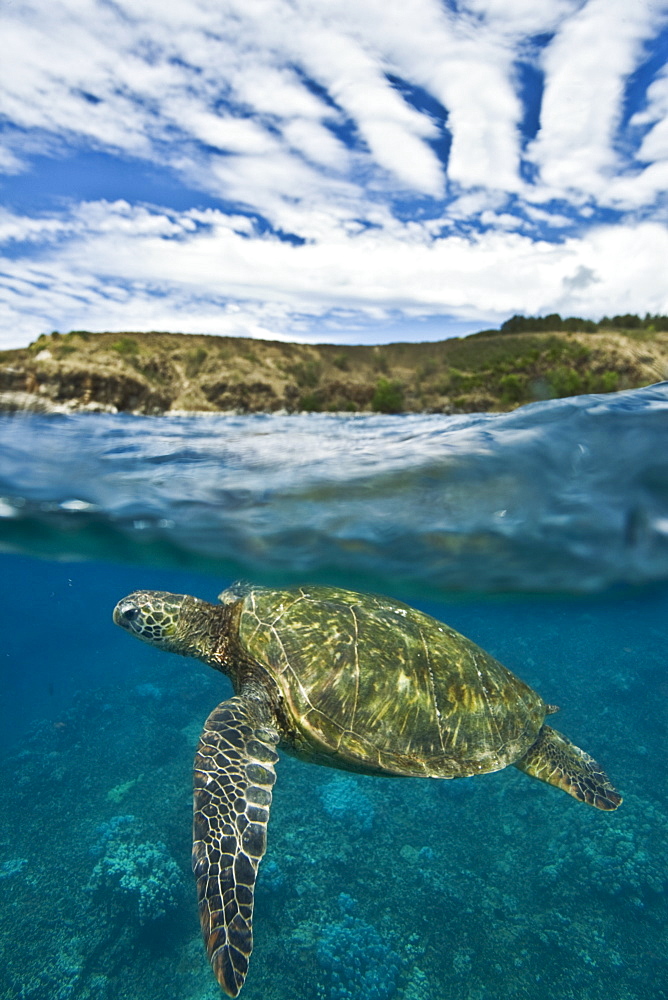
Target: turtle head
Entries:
(177, 623)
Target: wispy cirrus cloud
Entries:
(576, 149)
(353, 158)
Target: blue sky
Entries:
(343, 171)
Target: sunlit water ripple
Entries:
(569, 494)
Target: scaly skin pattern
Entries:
(368, 684)
(233, 781)
(556, 761)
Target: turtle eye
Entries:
(129, 614)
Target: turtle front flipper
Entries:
(557, 761)
(233, 780)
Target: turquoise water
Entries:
(543, 535)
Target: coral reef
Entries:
(115, 828)
(343, 799)
(355, 958)
(138, 878)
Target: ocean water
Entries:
(541, 534)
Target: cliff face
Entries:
(152, 373)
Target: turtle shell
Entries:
(369, 684)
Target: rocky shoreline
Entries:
(161, 373)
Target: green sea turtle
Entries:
(352, 681)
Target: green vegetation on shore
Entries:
(553, 323)
(529, 358)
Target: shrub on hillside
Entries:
(388, 397)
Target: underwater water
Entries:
(541, 534)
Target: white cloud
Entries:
(465, 66)
(655, 143)
(10, 163)
(316, 143)
(50, 93)
(393, 130)
(586, 67)
(118, 267)
(527, 17)
(277, 91)
(231, 135)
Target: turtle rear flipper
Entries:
(557, 761)
(233, 780)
